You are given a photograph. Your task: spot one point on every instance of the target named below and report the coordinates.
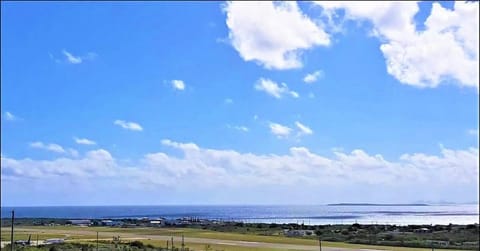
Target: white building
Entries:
(293, 233)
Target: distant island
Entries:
(374, 204)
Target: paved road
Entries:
(177, 239)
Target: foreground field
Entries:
(196, 239)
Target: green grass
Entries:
(24, 236)
(90, 233)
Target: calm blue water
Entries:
(321, 214)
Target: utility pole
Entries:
(37, 240)
(167, 245)
(183, 243)
(97, 240)
(11, 233)
(320, 243)
(172, 242)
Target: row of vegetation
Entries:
(444, 236)
(426, 236)
(130, 246)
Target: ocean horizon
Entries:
(346, 213)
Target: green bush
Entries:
(137, 244)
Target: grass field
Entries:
(149, 235)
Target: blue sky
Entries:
(181, 99)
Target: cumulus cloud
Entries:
(178, 84)
(84, 141)
(49, 147)
(273, 34)
(128, 125)
(72, 59)
(312, 77)
(229, 168)
(279, 130)
(52, 147)
(303, 129)
(273, 89)
(447, 49)
(94, 163)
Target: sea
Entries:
(301, 214)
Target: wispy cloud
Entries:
(9, 116)
(84, 141)
(52, 147)
(313, 77)
(228, 101)
(279, 130)
(239, 128)
(303, 129)
(473, 132)
(70, 58)
(273, 89)
(128, 125)
(178, 84)
(73, 152)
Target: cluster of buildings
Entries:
(143, 222)
(297, 233)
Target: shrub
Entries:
(389, 237)
(137, 244)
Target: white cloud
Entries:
(72, 59)
(473, 132)
(228, 101)
(294, 94)
(49, 147)
(229, 168)
(84, 141)
(128, 125)
(94, 164)
(312, 77)
(273, 89)
(446, 49)
(53, 148)
(272, 34)
(178, 84)
(279, 130)
(9, 116)
(239, 128)
(73, 152)
(181, 146)
(303, 129)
